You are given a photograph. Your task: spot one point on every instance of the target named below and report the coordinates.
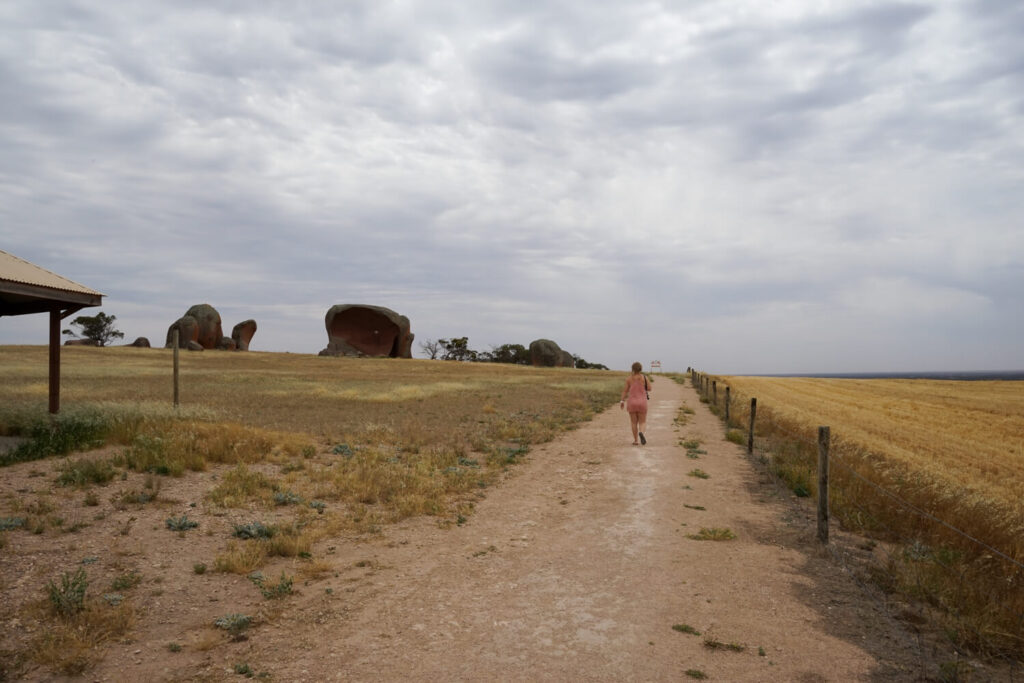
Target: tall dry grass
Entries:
(933, 466)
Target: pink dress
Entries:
(636, 400)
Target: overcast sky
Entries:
(736, 185)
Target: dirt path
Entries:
(577, 568)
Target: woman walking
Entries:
(634, 400)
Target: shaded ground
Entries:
(577, 567)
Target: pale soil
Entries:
(575, 567)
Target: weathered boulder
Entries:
(194, 346)
(545, 353)
(362, 330)
(567, 360)
(140, 342)
(226, 344)
(208, 320)
(242, 334)
(188, 331)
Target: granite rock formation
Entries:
(140, 342)
(200, 328)
(242, 334)
(362, 330)
(208, 319)
(188, 331)
(545, 353)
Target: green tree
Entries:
(584, 365)
(516, 354)
(457, 348)
(99, 328)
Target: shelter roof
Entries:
(27, 288)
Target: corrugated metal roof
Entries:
(14, 269)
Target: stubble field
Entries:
(934, 470)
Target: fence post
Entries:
(823, 448)
(753, 415)
(714, 393)
(726, 407)
(174, 343)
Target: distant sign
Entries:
(655, 364)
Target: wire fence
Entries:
(951, 585)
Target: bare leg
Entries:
(642, 420)
(633, 421)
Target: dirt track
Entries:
(574, 568)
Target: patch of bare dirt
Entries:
(576, 567)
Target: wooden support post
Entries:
(55, 319)
(714, 392)
(174, 343)
(727, 407)
(753, 415)
(823, 448)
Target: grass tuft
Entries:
(713, 534)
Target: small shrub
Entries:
(243, 669)
(696, 673)
(281, 589)
(174, 647)
(199, 568)
(234, 624)
(83, 472)
(59, 435)
(9, 523)
(182, 523)
(699, 474)
(127, 580)
(736, 436)
(713, 534)
(685, 628)
(286, 498)
(318, 505)
(68, 598)
(253, 530)
(343, 449)
(715, 644)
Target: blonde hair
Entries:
(637, 367)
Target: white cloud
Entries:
(629, 180)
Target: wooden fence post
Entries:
(823, 448)
(753, 415)
(726, 407)
(174, 343)
(714, 393)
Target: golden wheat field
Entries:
(970, 434)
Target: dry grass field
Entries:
(268, 455)
(968, 435)
(952, 450)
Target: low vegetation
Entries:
(932, 472)
(308, 446)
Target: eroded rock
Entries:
(188, 331)
(363, 330)
(545, 353)
(242, 334)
